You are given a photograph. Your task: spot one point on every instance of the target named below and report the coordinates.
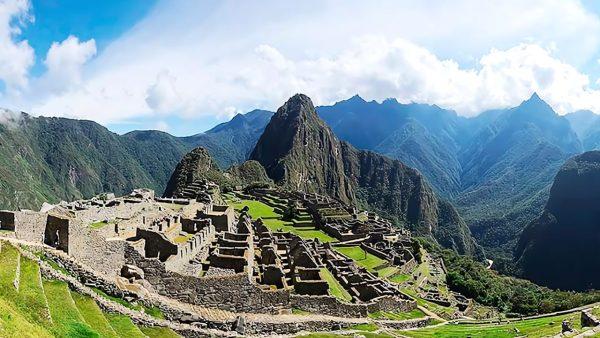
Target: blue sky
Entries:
(184, 65)
(102, 21)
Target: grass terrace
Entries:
(335, 288)
(361, 257)
(48, 308)
(274, 222)
(533, 328)
(416, 313)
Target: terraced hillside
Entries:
(32, 306)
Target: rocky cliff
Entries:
(561, 247)
(195, 165)
(299, 151)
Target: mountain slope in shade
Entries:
(299, 151)
(561, 248)
(587, 126)
(497, 167)
(424, 136)
(508, 168)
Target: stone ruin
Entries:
(193, 250)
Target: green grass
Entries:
(442, 311)
(368, 327)
(8, 269)
(361, 257)
(299, 312)
(92, 315)
(123, 326)
(52, 263)
(274, 222)
(31, 294)
(182, 238)
(533, 328)
(335, 289)
(152, 311)
(413, 314)
(14, 324)
(99, 224)
(387, 272)
(366, 334)
(66, 318)
(158, 332)
(399, 278)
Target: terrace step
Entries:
(93, 315)
(63, 311)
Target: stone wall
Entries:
(30, 226)
(330, 305)
(232, 292)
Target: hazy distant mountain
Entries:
(497, 166)
(425, 137)
(587, 126)
(299, 151)
(561, 248)
(231, 142)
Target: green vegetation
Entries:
(13, 324)
(387, 272)
(152, 311)
(274, 220)
(92, 314)
(47, 308)
(182, 238)
(123, 326)
(368, 327)
(99, 224)
(335, 289)
(158, 332)
(66, 318)
(416, 313)
(510, 295)
(366, 334)
(532, 328)
(399, 278)
(31, 297)
(361, 257)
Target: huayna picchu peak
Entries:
(299, 151)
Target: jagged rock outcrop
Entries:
(248, 173)
(198, 165)
(299, 151)
(561, 247)
(195, 165)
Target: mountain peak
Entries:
(536, 105)
(535, 97)
(298, 107)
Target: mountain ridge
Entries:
(299, 151)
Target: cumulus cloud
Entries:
(16, 56)
(64, 62)
(162, 96)
(197, 59)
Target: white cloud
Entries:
(162, 96)
(205, 58)
(16, 56)
(64, 62)
(161, 126)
